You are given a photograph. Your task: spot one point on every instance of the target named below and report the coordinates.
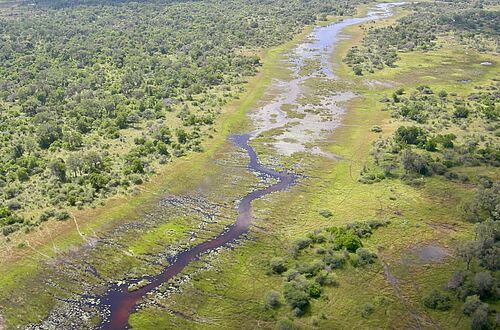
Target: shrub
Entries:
(314, 290)
(480, 319)
(62, 216)
(455, 281)
(286, 324)
(346, 239)
(295, 296)
(326, 213)
(365, 257)
(314, 321)
(291, 274)
(362, 229)
(273, 299)
(483, 283)
(311, 269)
(410, 135)
(302, 243)
(471, 304)
(436, 300)
(277, 265)
(335, 260)
(374, 224)
(367, 310)
(325, 278)
(461, 112)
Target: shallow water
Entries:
(318, 119)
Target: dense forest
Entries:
(94, 96)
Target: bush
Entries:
(455, 281)
(286, 324)
(471, 304)
(346, 239)
(437, 300)
(483, 283)
(291, 274)
(302, 243)
(367, 310)
(297, 312)
(62, 216)
(278, 265)
(314, 290)
(362, 229)
(295, 296)
(374, 224)
(272, 299)
(365, 257)
(326, 213)
(325, 278)
(410, 135)
(311, 269)
(335, 260)
(480, 319)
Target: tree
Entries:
(278, 265)
(480, 319)
(58, 169)
(410, 135)
(295, 295)
(436, 300)
(273, 299)
(468, 251)
(471, 304)
(483, 281)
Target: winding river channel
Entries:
(118, 301)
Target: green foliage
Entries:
(314, 290)
(278, 265)
(364, 257)
(310, 275)
(272, 299)
(471, 304)
(335, 260)
(480, 320)
(437, 300)
(346, 239)
(415, 151)
(367, 310)
(295, 295)
(326, 213)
